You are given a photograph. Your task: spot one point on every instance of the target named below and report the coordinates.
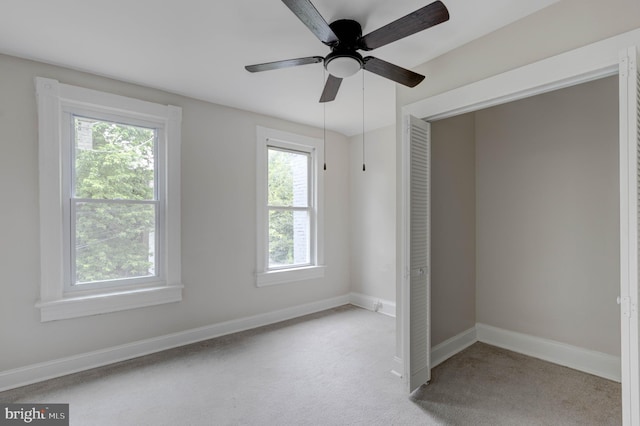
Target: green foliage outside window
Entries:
(280, 222)
(113, 240)
(288, 193)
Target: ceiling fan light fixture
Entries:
(343, 66)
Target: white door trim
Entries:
(628, 85)
(577, 66)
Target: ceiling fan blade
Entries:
(430, 15)
(392, 72)
(309, 15)
(284, 64)
(330, 89)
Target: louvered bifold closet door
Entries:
(630, 233)
(419, 256)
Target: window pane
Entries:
(288, 178)
(113, 161)
(288, 238)
(114, 241)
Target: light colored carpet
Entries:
(330, 368)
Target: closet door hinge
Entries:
(624, 67)
(628, 309)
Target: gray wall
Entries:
(453, 227)
(373, 214)
(218, 224)
(547, 216)
(525, 218)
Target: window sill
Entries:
(74, 307)
(289, 275)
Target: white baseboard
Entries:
(48, 370)
(588, 361)
(452, 346)
(375, 304)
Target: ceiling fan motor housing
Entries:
(344, 61)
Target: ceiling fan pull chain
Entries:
(363, 162)
(324, 124)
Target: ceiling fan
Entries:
(345, 38)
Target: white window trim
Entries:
(55, 303)
(264, 276)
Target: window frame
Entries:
(59, 299)
(289, 142)
(309, 207)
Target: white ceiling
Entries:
(199, 48)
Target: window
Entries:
(290, 197)
(109, 202)
(114, 202)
